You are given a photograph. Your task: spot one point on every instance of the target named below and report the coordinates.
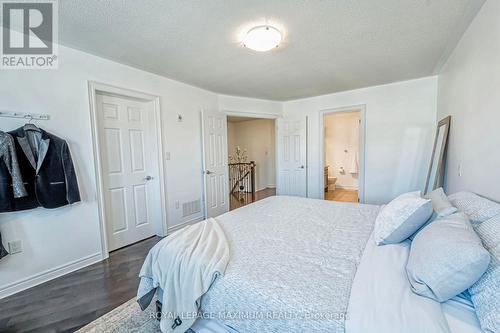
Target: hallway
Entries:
(246, 198)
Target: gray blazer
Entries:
(11, 182)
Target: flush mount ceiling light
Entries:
(262, 38)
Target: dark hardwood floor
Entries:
(74, 300)
(70, 302)
(240, 200)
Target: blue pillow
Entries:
(446, 258)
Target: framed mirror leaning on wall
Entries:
(435, 176)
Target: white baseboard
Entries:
(50, 274)
(271, 186)
(183, 224)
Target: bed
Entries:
(310, 265)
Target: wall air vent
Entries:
(191, 207)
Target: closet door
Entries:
(129, 172)
(292, 157)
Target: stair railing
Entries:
(242, 179)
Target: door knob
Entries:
(302, 167)
(208, 172)
(148, 178)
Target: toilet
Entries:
(331, 183)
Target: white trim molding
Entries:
(39, 278)
(362, 146)
(263, 115)
(185, 223)
(94, 88)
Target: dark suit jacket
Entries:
(3, 251)
(6, 190)
(47, 170)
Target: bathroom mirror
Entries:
(435, 175)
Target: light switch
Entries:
(167, 155)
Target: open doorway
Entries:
(252, 159)
(342, 146)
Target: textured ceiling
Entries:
(329, 46)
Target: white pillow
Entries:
(446, 258)
(485, 292)
(401, 218)
(477, 208)
(440, 203)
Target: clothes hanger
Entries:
(31, 127)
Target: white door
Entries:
(292, 157)
(215, 163)
(129, 169)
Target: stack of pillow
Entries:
(455, 247)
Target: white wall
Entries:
(341, 132)
(257, 137)
(400, 121)
(231, 138)
(61, 240)
(469, 91)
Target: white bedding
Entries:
(292, 264)
(184, 265)
(382, 301)
(380, 296)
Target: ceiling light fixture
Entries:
(262, 38)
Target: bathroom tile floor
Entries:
(342, 195)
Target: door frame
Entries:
(94, 89)
(362, 147)
(265, 115)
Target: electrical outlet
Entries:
(460, 169)
(177, 205)
(167, 155)
(15, 246)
